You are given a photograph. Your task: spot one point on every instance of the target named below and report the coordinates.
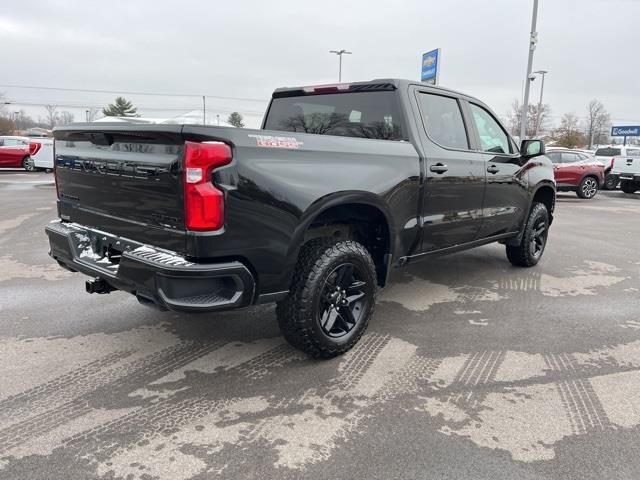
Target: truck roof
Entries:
(380, 84)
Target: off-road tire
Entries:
(523, 254)
(298, 314)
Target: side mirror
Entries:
(532, 148)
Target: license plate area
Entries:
(98, 250)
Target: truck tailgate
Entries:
(125, 180)
(626, 165)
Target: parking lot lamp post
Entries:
(340, 53)
(543, 73)
(533, 40)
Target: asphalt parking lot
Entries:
(471, 368)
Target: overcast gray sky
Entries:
(245, 49)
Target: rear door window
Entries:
(493, 138)
(443, 121)
(607, 152)
(355, 114)
(570, 157)
(633, 152)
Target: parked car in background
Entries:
(41, 153)
(14, 153)
(26, 152)
(576, 171)
(626, 169)
(607, 155)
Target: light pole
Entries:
(533, 40)
(340, 53)
(538, 113)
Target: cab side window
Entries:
(443, 121)
(492, 137)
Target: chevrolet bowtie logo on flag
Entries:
(430, 67)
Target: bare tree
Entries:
(65, 118)
(536, 124)
(6, 126)
(597, 122)
(53, 117)
(568, 134)
(24, 121)
(3, 108)
(92, 114)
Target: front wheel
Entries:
(588, 188)
(27, 164)
(331, 300)
(534, 239)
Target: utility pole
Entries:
(340, 53)
(86, 115)
(218, 118)
(533, 40)
(543, 73)
(204, 110)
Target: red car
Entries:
(576, 171)
(15, 152)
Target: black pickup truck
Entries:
(342, 183)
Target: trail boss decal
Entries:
(276, 142)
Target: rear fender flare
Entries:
(333, 200)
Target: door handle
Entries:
(438, 168)
(492, 169)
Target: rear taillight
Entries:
(203, 202)
(34, 147)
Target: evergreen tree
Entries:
(236, 120)
(121, 107)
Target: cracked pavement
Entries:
(471, 368)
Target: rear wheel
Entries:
(629, 186)
(534, 240)
(588, 188)
(27, 164)
(610, 182)
(331, 300)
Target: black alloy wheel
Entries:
(539, 238)
(331, 299)
(344, 299)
